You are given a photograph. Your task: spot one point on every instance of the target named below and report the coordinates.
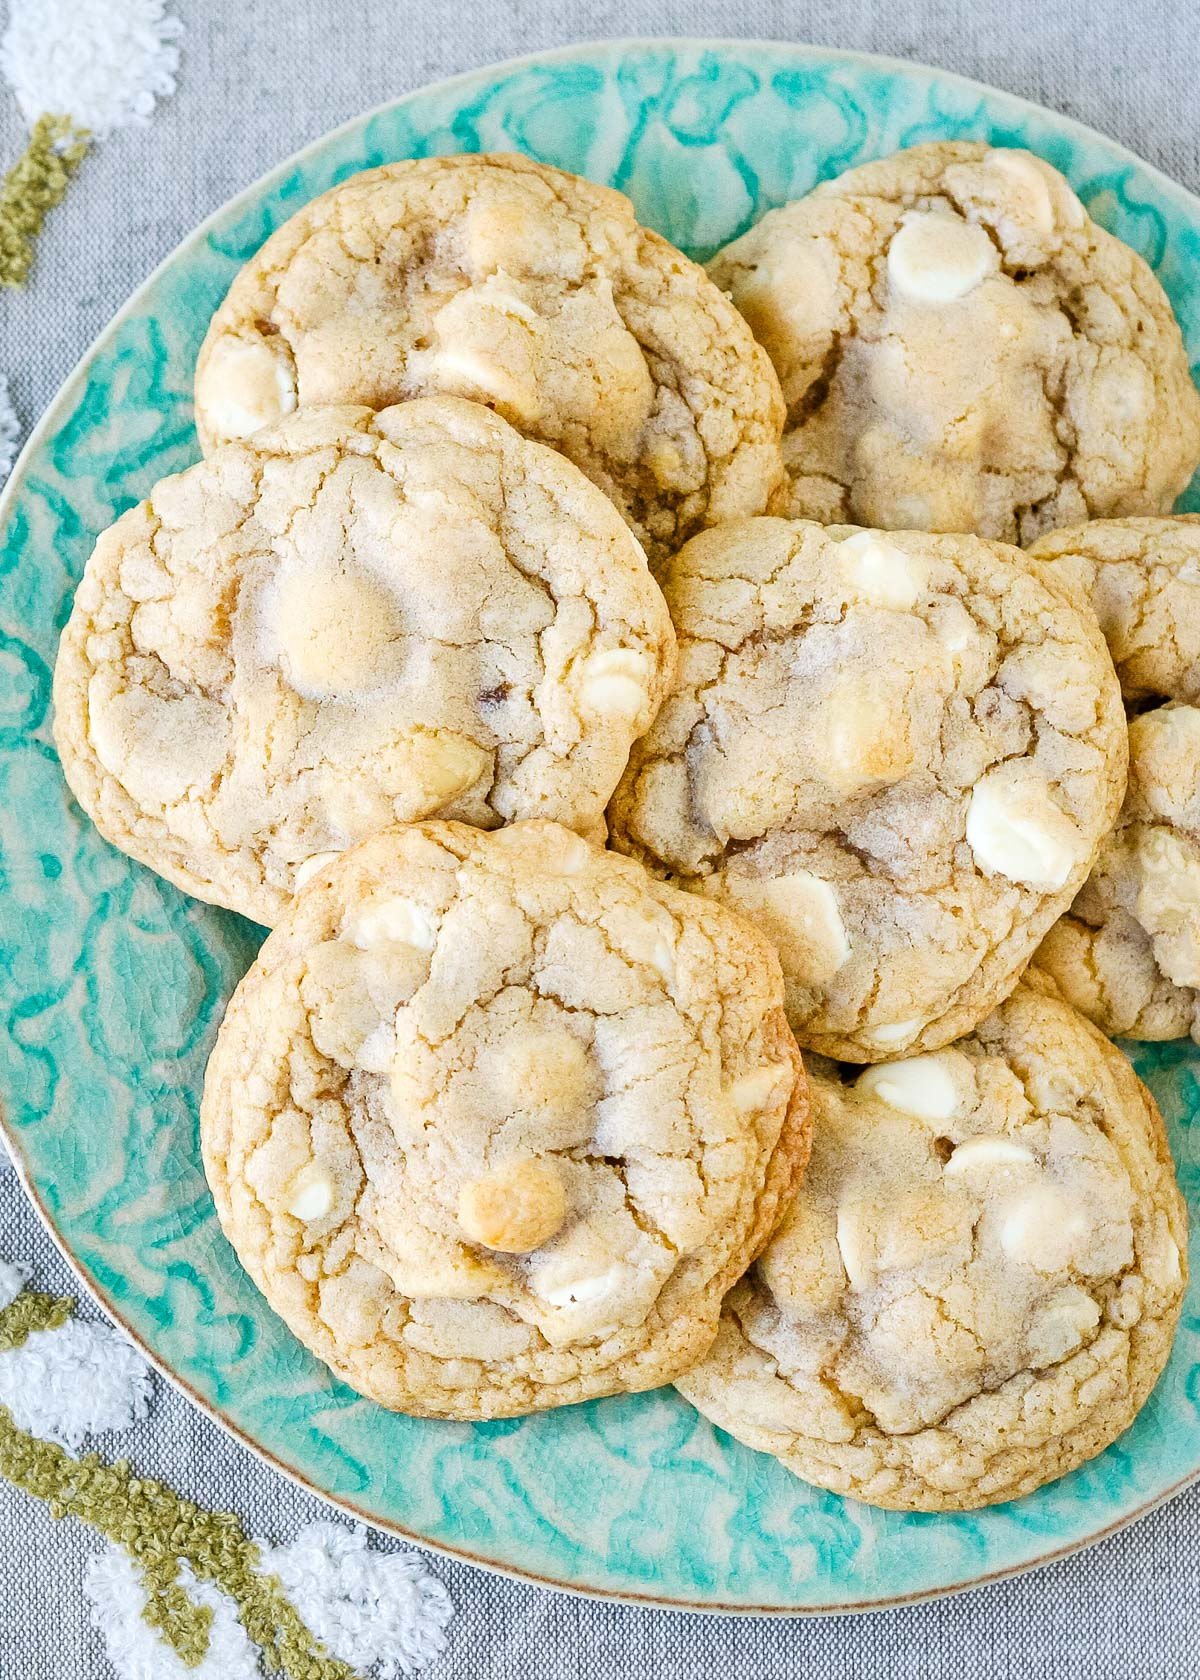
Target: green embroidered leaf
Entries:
(31, 189)
(159, 1530)
(29, 1312)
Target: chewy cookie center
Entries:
(962, 1233)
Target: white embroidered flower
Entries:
(117, 1595)
(10, 430)
(100, 62)
(78, 1380)
(12, 1278)
(377, 1611)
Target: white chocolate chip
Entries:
(938, 259)
(880, 572)
(1158, 1257)
(927, 1087)
(313, 865)
(662, 957)
(756, 1091)
(799, 913)
(1042, 1229)
(853, 1247)
(861, 740)
(1031, 183)
(515, 1208)
(558, 1288)
(615, 683)
(894, 1032)
(335, 632)
(393, 921)
(1016, 829)
(311, 1193)
(470, 370)
(246, 383)
(984, 1153)
(444, 764)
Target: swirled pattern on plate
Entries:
(114, 982)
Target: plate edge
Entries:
(8, 492)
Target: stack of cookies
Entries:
(610, 680)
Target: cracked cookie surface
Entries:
(978, 1284)
(961, 348)
(537, 292)
(496, 1119)
(898, 753)
(1128, 952)
(1141, 578)
(350, 620)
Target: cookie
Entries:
(962, 348)
(496, 1119)
(897, 753)
(532, 290)
(1128, 954)
(349, 620)
(977, 1286)
(1142, 579)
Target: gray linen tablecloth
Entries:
(260, 78)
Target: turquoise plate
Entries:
(114, 982)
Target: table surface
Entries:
(258, 79)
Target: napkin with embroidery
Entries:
(178, 1592)
(78, 70)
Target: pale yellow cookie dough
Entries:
(1128, 954)
(961, 348)
(1142, 579)
(502, 280)
(898, 753)
(977, 1286)
(495, 1120)
(349, 620)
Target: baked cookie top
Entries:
(496, 1119)
(897, 753)
(499, 279)
(961, 348)
(349, 620)
(978, 1284)
(1142, 578)
(1128, 953)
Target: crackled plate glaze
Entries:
(113, 982)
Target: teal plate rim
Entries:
(1171, 1070)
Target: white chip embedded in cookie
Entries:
(898, 755)
(1128, 953)
(965, 1300)
(962, 348)
(518, 286)
(350, 620)
(496, 1119)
